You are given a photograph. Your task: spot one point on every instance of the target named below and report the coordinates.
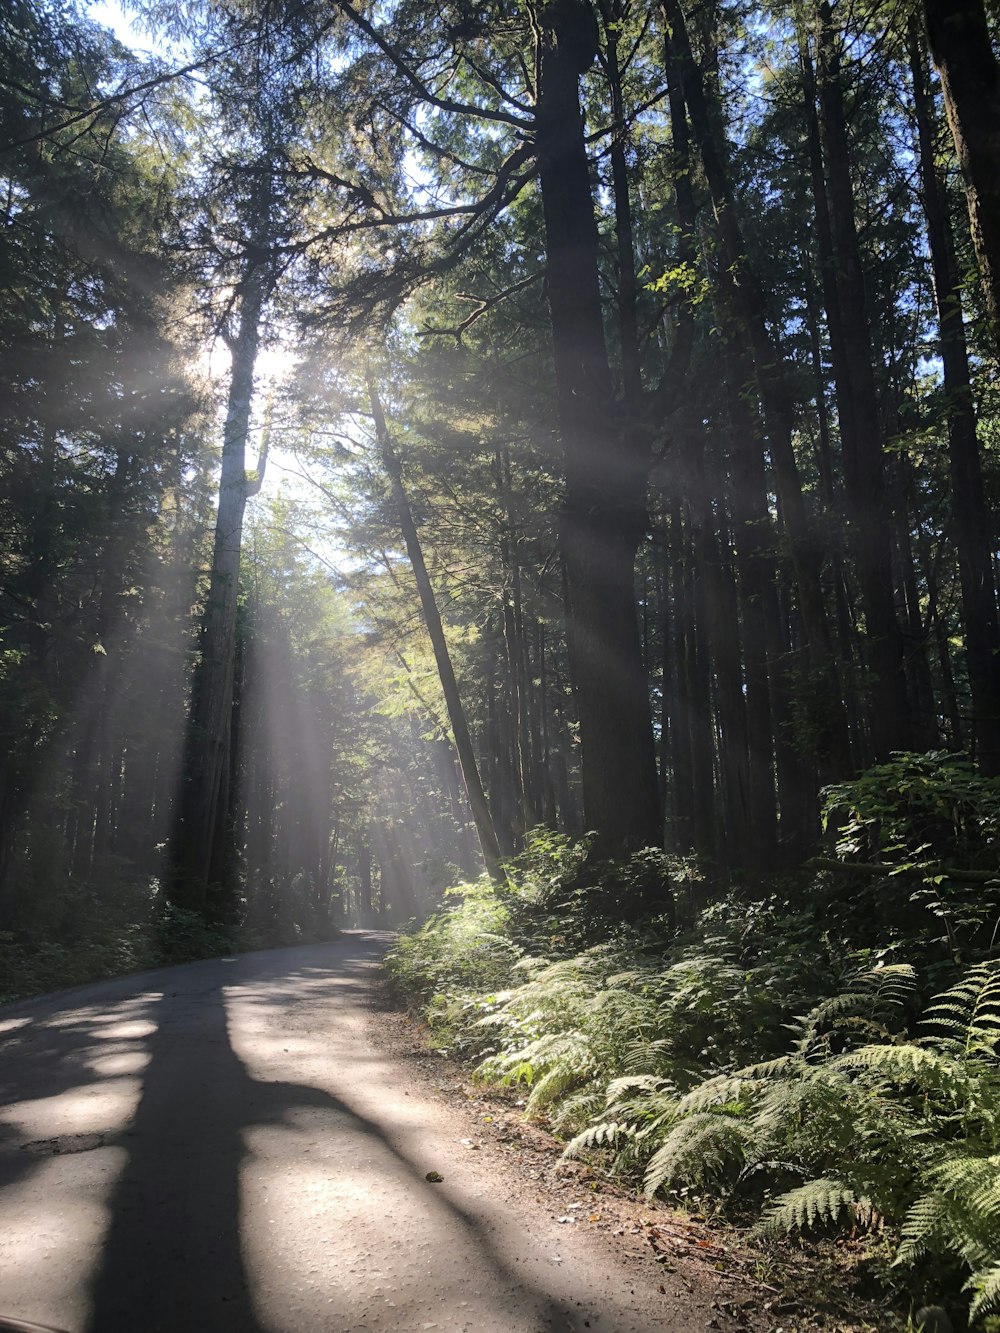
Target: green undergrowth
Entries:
(105, 932)
(810, 1059)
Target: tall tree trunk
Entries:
(959, 35)
(755, 545)
(364, 857)
(829, 485)
(864, 468)
(921, 685)
(435, 629)
(680, 805)
(202, 798)
(698, 665)
(970, 519)
(744, 307)
(628, 322)
(549, 806)
(518, 675)
(605, 515)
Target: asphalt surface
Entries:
(224, 1148)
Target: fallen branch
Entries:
(914, 871)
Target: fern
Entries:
(810, 1205)
(923, 1065)
(986, 1284)
(631, 1084)
(924, 1230)
(697, 1148)
(638, 1107)
(866, 1007)
(965, 1020)
(866, 1125)
(550, 1065)
(961, 1211)
(608, 1134)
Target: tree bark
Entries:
(201, 806)
(864, 468)
(435, 629)
(744, 307)
(604, 516)
(970, 519)
(959, 36)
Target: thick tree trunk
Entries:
(549, 805)
(516, 649)
(755, 547)
(744, 309)
(366, 916)
(960, 42)
(677, 714)
(864, 471)
(202, 798)
(604, 516)
(970, 519)
(722, 625)
(628, 321)
(831, 490)
(698, 666)
(918, 670)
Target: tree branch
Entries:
(418, 85)
(485, 305)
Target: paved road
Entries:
(222, 1148)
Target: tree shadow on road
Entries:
(174, 1258)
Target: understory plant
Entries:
(449, 966)
(858, 1124)
(918, 841)
(648, 1019)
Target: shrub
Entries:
(451, 965)
(922, 837)
(875, 1128)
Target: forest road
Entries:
(223, 1147)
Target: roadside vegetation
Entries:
(811, 1057)
(91, 942)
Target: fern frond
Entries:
(698, 1146)
(577, 1108)
(924, 1226)
(558, 1060)
(552, 1085)
(872, 994)
(783, 1108)
(817, 1201)
(907, 1062)
(723, 1090)
(986, 1284)
(782, 1066)
(961, 1213)
(969, 1184)
(969, 1012)
(606, 1135)
(619, 1088)
(642, 1056)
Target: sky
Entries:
(112, 15)
(273, 363)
